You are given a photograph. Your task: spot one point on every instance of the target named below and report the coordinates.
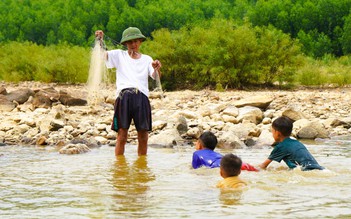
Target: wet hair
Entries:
(284, 125)
(231, 165)
(208, 140)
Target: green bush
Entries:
(56, 63)
(224, 52)
(325, 72)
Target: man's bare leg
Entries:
(143, 137)
(121, 141)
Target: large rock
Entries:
(68, 100)
(158, 125)
(74, 149)
(56, 125)
(194, 132)
(293, 114)
(41, 141)
(91, 143)
(3, 90)
(261, 102)
(231, 111)
(5, 104)
(189, 114)
(21, 129)
(251, 114)
(228, 140)
(45, 97)
(242, 130)
(7, 124)
(231, 119)
(49, 120)
(265, 139)
(344, 122)
(167, 138)
(307, 133)
(20, 96)
(307, 129)
(319, 127)
(101, 140)
(216, 108)
(181, 125)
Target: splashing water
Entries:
(97, 73)
(139, 187)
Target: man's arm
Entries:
(265, 164)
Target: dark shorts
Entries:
(132, 104)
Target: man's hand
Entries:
(99, 34)
(157, 65)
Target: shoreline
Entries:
(239, 118)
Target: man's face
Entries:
(133, 45)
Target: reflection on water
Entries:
(131, 180)
(41, 183)
(230, 196)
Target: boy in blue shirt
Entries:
(206, 156)
(293, 152)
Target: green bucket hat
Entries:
(132, 33)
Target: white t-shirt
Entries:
(130, 73)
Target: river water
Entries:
(41, 183)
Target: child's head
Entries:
(230, 165)
(207, 140)
(284, 125)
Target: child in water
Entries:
(230, 170)
(293, 152)
(206, 156)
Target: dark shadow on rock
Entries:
(68, 100)
(3, 90)
(45, 97)
(20, 96)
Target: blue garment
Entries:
(294, 153)
(207, 158)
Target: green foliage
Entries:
(278, 54)
(58, 63)
(315, 45)
(319, 24)
(221, 53)
(326, 71)
(197, 41)
(49, 22)
(346, 36)
(322, 26)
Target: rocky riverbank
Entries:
(64, 115)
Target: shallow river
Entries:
(41, 183)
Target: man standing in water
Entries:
(132, 72)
